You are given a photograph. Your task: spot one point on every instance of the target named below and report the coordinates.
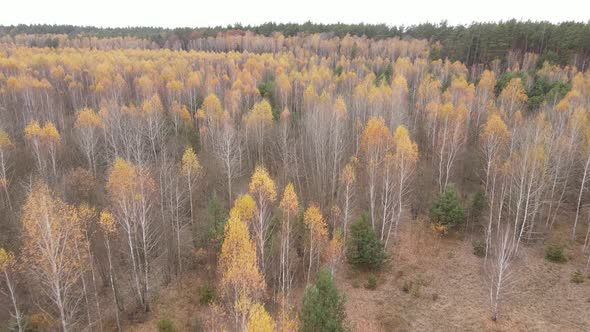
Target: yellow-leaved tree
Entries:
(241, 280)
(375, 141)
(52, 231)
(109, 228)
(405, 158)
(44, 141)
(5, 145)
(131, 190)
(347, 180)
(263, 190)
(289, 206)
(7, 268)
(260, 320)
(318, 232)
(191, 169)
(88, 123)
(258, 122)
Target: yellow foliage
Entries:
(46, 134)
(340, 108)
(244, 208)
(190, 163)
(5, 141)
(260, 114)
(262, 185)
(375, 134)
(286, 323)
(6, 259)
(348, 175)
(123, 180)
(87, 118)
(289, 203)
(152, 105)
(495, 128)
(52, 231)
(50, 133)
(514, 92)
(107, 222)
(212, 108)
(33, 130)
(314, 220)
(237, 261)
(259, 320)
(405, 148)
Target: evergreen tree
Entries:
(447, 211)
(364, 249)
(323, 307)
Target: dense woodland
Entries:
(267, 158)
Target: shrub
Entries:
(166, 325)
(371, 282)
(364, 249)
(323, 307)
(206, 294)
(413, 286)
(407, 286)
(555, 253)
(479, 248)
(577, 277)
(446, 211)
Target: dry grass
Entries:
(452, 295)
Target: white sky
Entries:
(174, 13)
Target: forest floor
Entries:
(446, 290)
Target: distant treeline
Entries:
(563, 43)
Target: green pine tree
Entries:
(323, 307)
(363, 248)
(447, 210)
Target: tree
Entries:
(131, 190)
(323, 308)
(500, 268)
(52, 233)
(258, 121)
(45, 141)
(405, 158)
(108, 227)
(513, 97)
(376, 141)
(446, 210)
(364, 249)
(227, 150)
(334, 250)
(263, 190)
(7, 266)
(289, 206)
(191, 168)
(88, 123)
(448, 138)
(347, 179)
(5, 144)
(494, 142)
(318, 232)
(238, 267)
(259, 320)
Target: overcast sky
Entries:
(175, 13)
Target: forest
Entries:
(289, 177)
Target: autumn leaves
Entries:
(390, 161)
